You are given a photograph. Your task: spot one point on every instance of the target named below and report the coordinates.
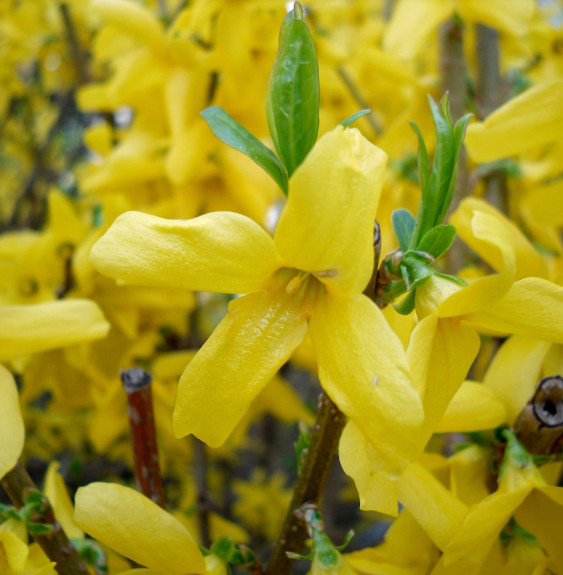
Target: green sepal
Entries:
(394, 290)
(39, 528)
(407, 305)
(437, 241)
(416, 268)
(455, 279)
(346, 541)
(351, 119)
(229, 131)
(403, 225)
(92, 554)
(514, 453)
(224, 548)
(293, 99)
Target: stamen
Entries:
(296, 282)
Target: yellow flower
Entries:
(311, 274)
(12, 432)
(138, 528)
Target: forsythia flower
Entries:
(311, 274)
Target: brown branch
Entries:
(203, 500)
(76, 53)
(539, 426)
(137, 384)
(56, 545)
(489, 96)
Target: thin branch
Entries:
(137, 384)
(76, 53)
(203, 499)
(56, 545)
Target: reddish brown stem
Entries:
(137, 384)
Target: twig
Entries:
(203, 501)
(56, 545)
(539, 426)
(488, 97)
(324, 442)
(137, 384)
(77, 54)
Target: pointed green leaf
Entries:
(292, 103)
(455, 279)
(403, 225)
(229, 131)
(438, 240)
(351, 119)
(415, 269)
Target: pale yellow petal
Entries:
(377, 492)
(474, 407)
(138, 528)
(14, 550)
(528, 121)
(470, 473)
(436, 510)
(56, 491)
(515, 371)
(413, 24)
(514, 18)
(258, 335)
(12, 431)
(327, 224)
(494, 237)
(220, 251)
(39, 327)
(528, 261)
(533, 307)
(363, 368)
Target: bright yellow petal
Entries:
(15, 551)
(377, 492)
(533, 307)
(220, 251)
(515, 371)
(364, 369)
(528, 121)
(12, 431)
(413, 24)
(474, 407)
(327, 224)
(436, 510)
(39, 327)
(440, 354)
(56, 491)
(484, 523)
(258, 335)
(493, 237)
(514, 18)
(470, 473)
(528, 261)
(130, 18)
(138, 528)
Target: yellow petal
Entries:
(484, 523)
(440, 354)
(327, 224)
(138, 528)
(12, 431)
(363, 368)
(39, 327)
(56, 491)
(15, 551)
(377, 492)
(533, 307)
(413, 24)
(515, 371)
(528, 261)
(131, 18)
(525, 122)
(514, 18)
(258, 335)
(495, 238)
(470, 473)
(474, 407)
(436, 510)
(220, 251)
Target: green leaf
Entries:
(438, 240)
(415, 269)
(455, 279)
(351, 119)
(407, 305)
(223, 548)
(403, 225)
(39, 528)
(229, 131)
(292, 103)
